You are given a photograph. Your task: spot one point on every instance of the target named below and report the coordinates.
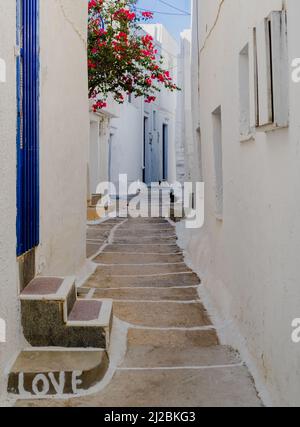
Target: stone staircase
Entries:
(165, 351)
(69, 339)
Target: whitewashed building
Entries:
(136, 138)
(160, 117)
(43, 152)
(184, 136)
(245, 81)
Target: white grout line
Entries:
(146, 287)
(159, 301)
(107, 241)
(97, 222)
(90, 293)
(172, 223)
(141, 265)
(114, 229)
(163, 227)
(144, 244)
(101, 249)
(130, 238)
(173, 328)
(143, 253)
(185, 368)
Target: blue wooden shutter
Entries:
(27, 126)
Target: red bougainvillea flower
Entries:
(147, 15)
(122, 59)
(150, 99)
(98, 105)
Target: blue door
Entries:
(27, 126)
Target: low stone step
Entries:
(173, 339)
(92, 248)
(178, 388)
(112, 221)
(106, 258)
(48, 288)
(57, 372)
(146, 227)
(151, 294)
(145, 221)
(147, 356)
(147, 240)
(143, 270)
(91, 312)
(144, 249)
(101, 280)
(52, 316)
(47, 298)
(144, 233)
(162, 314)
(97, 234)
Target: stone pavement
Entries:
(173, 355)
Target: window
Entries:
(218, 154)
(244, 90)
(271, 71)
(130, 98)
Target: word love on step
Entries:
(50, 384)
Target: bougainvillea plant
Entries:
(122, 59)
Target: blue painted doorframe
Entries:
(27, 125)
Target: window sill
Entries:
(270, 128)
(250, 137)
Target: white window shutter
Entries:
(280, 72)
(264, 81)
(253, 80)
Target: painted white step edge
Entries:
(104, 317)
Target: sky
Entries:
(174, 23)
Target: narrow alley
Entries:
(167, 350)
(149, 204)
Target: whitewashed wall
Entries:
(127, 141)
(184, 136)
(9, 306)
(64, 136)
(98, 169)
(249, 261)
